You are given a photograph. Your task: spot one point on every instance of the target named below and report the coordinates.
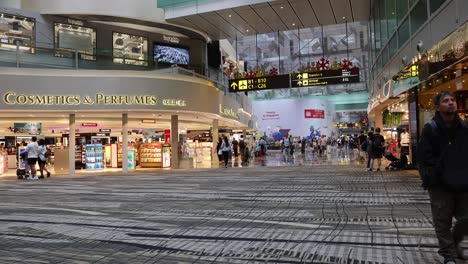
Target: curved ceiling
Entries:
(280, 15)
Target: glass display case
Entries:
(151, 155)
(166, 155)
(200, 152)
(80, 155)
(94, 157)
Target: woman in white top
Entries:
(42, 158)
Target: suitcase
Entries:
(20, 174)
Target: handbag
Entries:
(220, 152)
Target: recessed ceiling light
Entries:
(230, 16)
(344, 17)
(247, 30)
(281, 7)
(293, 24)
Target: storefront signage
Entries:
(105, 130)
(12, 98)
(101, 135)
(149, 121)
(314, 113)
(411, 71)
(75, 22)
(324, 78)
(172, 39)
(228, 111)
(259, 83)
(89, 124)
(174, 102)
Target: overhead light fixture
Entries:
(247, 30)
(230, 16)
(281, 7)
(344, 17)
(293, 24)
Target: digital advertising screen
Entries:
(171, 54)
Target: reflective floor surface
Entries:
(315, 213)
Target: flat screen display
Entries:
(171, 54)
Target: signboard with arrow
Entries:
(259, 83)
(328, 77)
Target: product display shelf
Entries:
(200, 152)
(151, 155)
(94, 157)
(119, 154)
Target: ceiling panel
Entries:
(273, 16)
(323, 11)
(304, 12)
(270, 17)
(237, 22)
(207, 27)
(184, 22)
(287, 15)
(342, 10)
(221, 23)
(361, 9)
(254, 20)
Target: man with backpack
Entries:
(242, 147)
(441, 156)
(378, 143)
(362, 143)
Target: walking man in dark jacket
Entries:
(442, 164)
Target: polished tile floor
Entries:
(326, 212)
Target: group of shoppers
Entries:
(225, 149)
(36, 153)
(374, 146)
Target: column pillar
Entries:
(174, 141)
(378, 119)
(124, 143)
(215, 135)
(71, 145)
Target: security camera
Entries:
(419, 46)
(403, 60)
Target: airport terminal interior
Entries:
(221, 131)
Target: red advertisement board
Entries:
(314, 113)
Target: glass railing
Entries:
(47, 58)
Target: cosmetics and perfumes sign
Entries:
(12, 98)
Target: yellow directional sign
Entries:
(259, 83)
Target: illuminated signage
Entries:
(228, 111)
(150, 121)
(172, 39)
(314, 113)
(29, 128)
(174, 102)
(411, 71)
(89, 124)
(75, 22)
(105, 130)
(259, 83)
(12, 98)
(328, 77)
